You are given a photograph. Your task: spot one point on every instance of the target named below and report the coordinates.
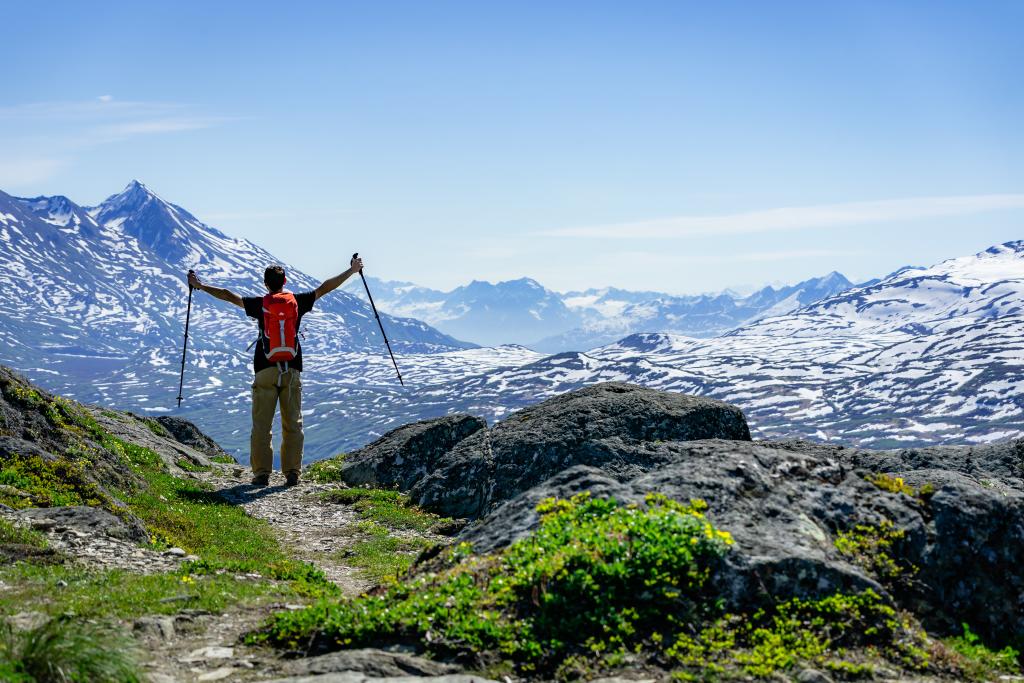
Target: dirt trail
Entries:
(308, 528)
(205, 647)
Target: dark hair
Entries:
(273, 277)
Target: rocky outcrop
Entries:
(959, 545)
(406, 455)
(186, 433)
(612, 426)
(88, 520)
(951, 518)
(376, 663)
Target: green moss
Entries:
(872, 546)
(223, 459)
(386, 507)
(326, 471)
(157, 428)
(825, 633)
(592, 581)
(49, 483)
(892, 484)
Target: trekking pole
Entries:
(374, 307)
(184, 348)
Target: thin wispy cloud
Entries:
(43, 138)
(101, 107)
(798, 217)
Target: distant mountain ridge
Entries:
(94, 301)
(525, 312)
(924, 356)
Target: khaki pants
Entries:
(265, 395)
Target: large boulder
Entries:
(406, 455)
(613, 426)
(961, 545)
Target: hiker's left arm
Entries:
(215, 292)
(333, 283)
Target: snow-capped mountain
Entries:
(511, 312)
(932, 355)
(622, 313)
(524, 312)
(95, 298)
(94, 301)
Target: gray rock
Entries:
(812, 676)
(186, 433)
(11, 446)
(355, 677)
(785, 506)
(590, 426)
(370, 662)
(406, 455)
(159, 628)
(90, 520)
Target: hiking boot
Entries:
(291, 479)
(261, 480)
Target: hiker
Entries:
(278, 365)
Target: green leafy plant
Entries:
(595, 578)
(872, 546)
(48, 483)
(979, 662)
(326, 471)
(68, 649)
(11, 533)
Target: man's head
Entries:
(274, 278)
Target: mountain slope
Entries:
(925, 356)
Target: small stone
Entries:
(211, 652)
(295, 607)
(62, 584)
(158, 627)
(812, 676)
(175, 552)
(217, 674)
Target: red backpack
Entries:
(280, 327)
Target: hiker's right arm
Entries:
(215, 292)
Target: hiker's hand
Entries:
(356, 265)
(193, 281)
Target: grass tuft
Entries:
(327, 471)
(11, 533)
(386, 507)
(67, 649)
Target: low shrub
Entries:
(594, 579)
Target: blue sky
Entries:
(678, 146)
